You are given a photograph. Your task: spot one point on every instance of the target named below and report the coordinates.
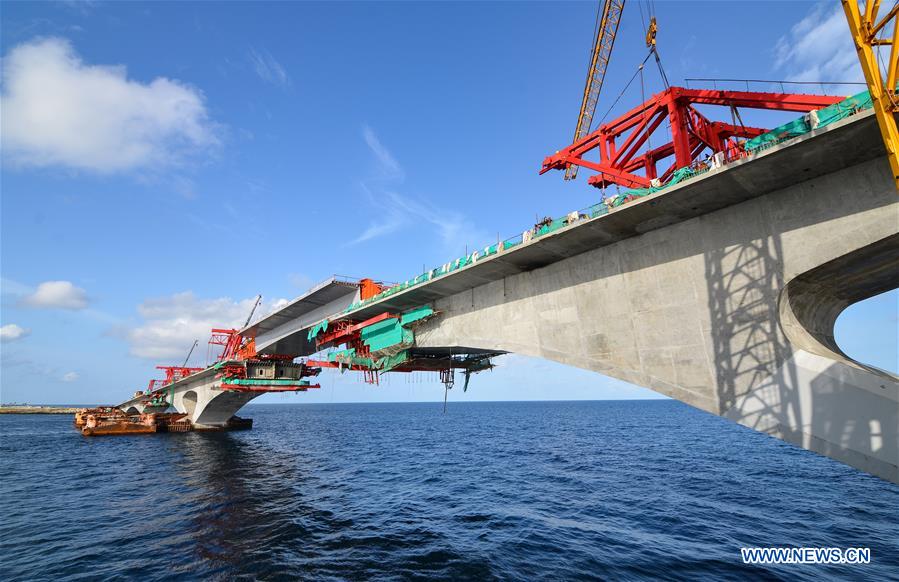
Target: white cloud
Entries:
(396, 211)
(60, 111)
(376, 229)
(70, 376)
(172, 323)
(387, 164)
(12, 332)
(453, 228)
(819, 48)
(269, 69)
(57, 294)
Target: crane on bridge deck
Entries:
(606, 31)
(620, 143)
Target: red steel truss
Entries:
(175, 373)
(620, 140)
(228, 338)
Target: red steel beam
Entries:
(341, 333)
(691, 133)
(326, 364)
(755, 100)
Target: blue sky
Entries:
(163, 163)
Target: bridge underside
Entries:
(732, 312)
(721, 292)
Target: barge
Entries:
(110, 421)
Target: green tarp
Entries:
(270, 382)
(316, 329)
(388, 363)
(555, 225)
(386, 334)
(384, 364)
(349, 357)
(416, 315)
(789, 130)
(801, 126)
(844, 108)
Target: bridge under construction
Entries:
(714, 277)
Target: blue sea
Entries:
(614, 490)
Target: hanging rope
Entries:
(620, 95)
(655, 51)
(643, 113)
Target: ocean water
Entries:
(623, 490)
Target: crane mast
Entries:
(865, 29)
(602, 51)
(190, 353)
(252, 311)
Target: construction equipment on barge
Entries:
(374, 345)
(110, 421)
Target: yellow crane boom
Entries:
(865, 29)
(602, 50)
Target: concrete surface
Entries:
(731, 312)
(843, 144)
(201, 398)
(720, 292)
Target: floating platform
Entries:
(108, 421)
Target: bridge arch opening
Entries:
(811, 303)
(190, 402)
(132, 410)
(866, 331)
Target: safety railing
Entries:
(539, 230)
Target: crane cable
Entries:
(620, 95)
(649, 31)
(643, 113)
(655, 51)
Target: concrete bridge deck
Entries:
(846, 143)
(721, 292)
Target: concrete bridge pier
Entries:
(732, 311)
(201, 398)
(208, 406)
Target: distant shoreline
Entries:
(72, 409)
(38, 409)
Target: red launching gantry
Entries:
(619, 141)
(239, 368)
(349, 333)
(243, 370)
(155, 395)
(385, 342)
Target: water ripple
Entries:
(609, 490)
